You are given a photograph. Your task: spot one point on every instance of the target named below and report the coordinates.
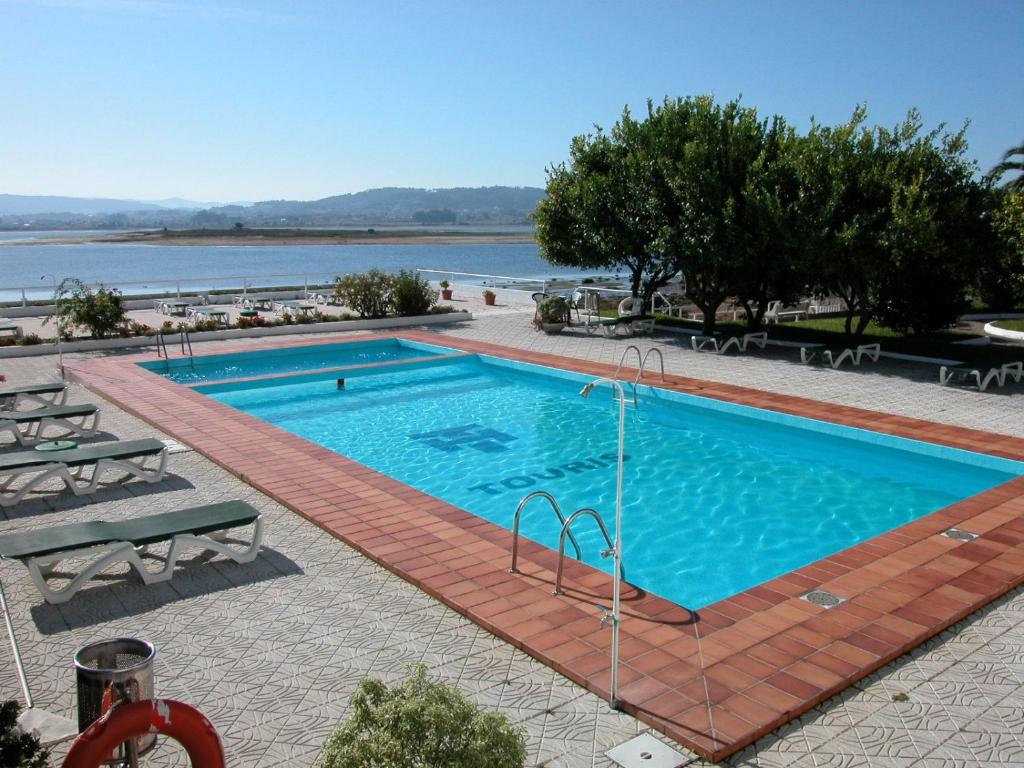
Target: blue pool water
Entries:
(291, 360)
(718, 497)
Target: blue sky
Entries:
(256, 100)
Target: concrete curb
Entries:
(1003, 333)
(94, 345)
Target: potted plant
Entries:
(553, 314)
(446, 290)
(489, 296)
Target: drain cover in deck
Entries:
(645, 751)
(956, 533)
(822, 598)
(173, 446)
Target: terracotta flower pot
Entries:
(489, 299)
(446, 294)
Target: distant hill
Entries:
(30, 205)
(391, 205)
(397, 204)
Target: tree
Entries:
(610, 208)
(1001, 276)
(895, 221)
(101, 311)
(1013, 160)
(424, 724)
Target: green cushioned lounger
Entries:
(104, 542)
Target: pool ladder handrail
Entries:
(515, 525)
(640, 368)
(566, 532)
(183, 338)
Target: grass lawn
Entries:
(1010, 325)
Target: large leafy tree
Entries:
(1013, 160)
(608, 207)
(1002, 275)
(895, 223)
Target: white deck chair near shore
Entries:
(81, 470)
(30, 427)
(103, 543)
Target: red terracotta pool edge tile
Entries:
(749, 664)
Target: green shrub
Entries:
(17, 749)
(30, 340)
(251, 322)
(424, 724)
(411, 294)
(553, 309)
(101, 311)
(368, 293)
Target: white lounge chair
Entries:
(29, 427)
(720, 346)
(836, 358)
(80, 469)
(982, 375)
(775, 313)
(104, 543)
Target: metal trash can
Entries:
(109, 672)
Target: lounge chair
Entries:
(71, 466)
(6, 326)
(719, 345)
(775, 313)
(628, 324)
(295, 307)
(29, 427)
(837, 357)
(103, 543)
(43, 394)
(983, 374)
(198, 314)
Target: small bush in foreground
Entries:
(30, 340)
(424, 724)
(411, 294)
(17, 749)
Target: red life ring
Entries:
(183, 723)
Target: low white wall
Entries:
(1003, 333)
(93, 345)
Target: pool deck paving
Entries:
(721, 678)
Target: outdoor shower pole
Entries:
(60, 323)
(616, 550)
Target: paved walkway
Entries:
(272, 650)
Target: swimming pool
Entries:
(718, 497)
(272, 362)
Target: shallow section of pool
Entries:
(270, 362)
(718, 497)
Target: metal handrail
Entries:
(643, 364)
(561, 544)
(622, 359)
(515, 525)
(185, 339)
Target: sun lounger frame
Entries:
(982, 377)
(77, 479)
(101, 556)
(34, 428)
(35, 393)
(853, 354)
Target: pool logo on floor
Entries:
(475, 436)
(522, 482)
